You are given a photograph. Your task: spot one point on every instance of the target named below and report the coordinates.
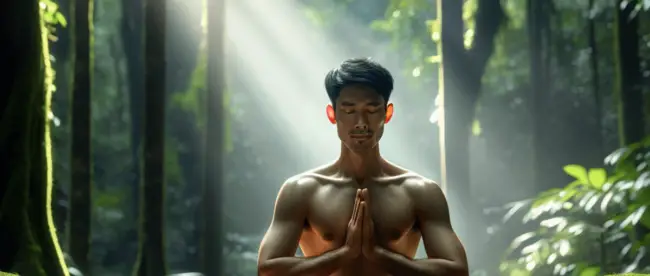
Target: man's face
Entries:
(360, 117)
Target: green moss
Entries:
(193, 101)
(25, 209)
(49, 236)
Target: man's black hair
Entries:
(362, 71)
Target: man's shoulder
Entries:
(305, 181)
(299, 182)
(421, 186)
(411, 179)
(296, 190)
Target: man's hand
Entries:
(353, 239)
(369, 247)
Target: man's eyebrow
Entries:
(347, 104)
(374, 103)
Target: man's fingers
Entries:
(367, 216)
(355, 209)
(366, 198)
(365, 195)
(357, 203)
(362, 211)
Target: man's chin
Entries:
(360, 147)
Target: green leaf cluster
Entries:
(52, 16)
(590, 226)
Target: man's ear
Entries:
(389, 112)
(331, 115)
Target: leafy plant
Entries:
(52, 17)
(591, 226)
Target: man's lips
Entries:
(361, 136)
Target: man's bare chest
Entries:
(331, 207)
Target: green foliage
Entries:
(192, 100)
(412, 26)
(589, 226)
(51, 13)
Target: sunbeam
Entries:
(282, 59)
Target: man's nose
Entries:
(361, 124)
(361, 127)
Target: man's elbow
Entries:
(457, 269)
(263, 268)
(274, 267)
(443, 268)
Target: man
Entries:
(360, 215)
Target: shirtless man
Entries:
(361, 215)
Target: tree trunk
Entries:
(595, 80)
(81, 180)
(62, 50)
(212, 202)
(151, 257)
(629, 88)
(628, 80)
(27, 235)
(538, 42)
(131, 33)
(462, 70)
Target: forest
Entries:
(150, 137)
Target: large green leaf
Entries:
(578, 172)
(597, 177)
(590, 271)
(520, 272)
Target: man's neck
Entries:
(360, 165)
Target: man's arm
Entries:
(446, 255)
(278, 248)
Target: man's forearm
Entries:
(322, 265)
(397, 264)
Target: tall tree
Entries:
(595, 78)
(81, 179)
(629, 86)
(151, 255)
(63, 65)
(629, 81)
(27, 235)
(131, 33)
(538, 27)
(462, 70)
(213, 179)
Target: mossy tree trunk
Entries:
(462, 70)
(132, 44)
(62, 65)
(629, 86)
(27, 235)
(151, 255)
(213, 180)
(80, 157)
